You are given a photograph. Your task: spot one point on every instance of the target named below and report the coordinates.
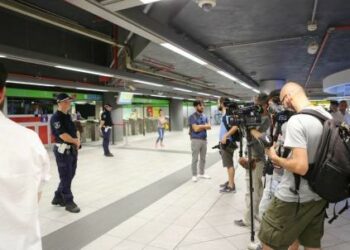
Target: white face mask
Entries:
(275, 108)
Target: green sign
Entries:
(42, 94)
(158, 102)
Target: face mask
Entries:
(275, 108)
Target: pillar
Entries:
(176, 115)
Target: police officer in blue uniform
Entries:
(66, 152)
(106, 128)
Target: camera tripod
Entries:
(253, 245)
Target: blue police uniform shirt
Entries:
(106, 116)
(198, 119)
(62, 123)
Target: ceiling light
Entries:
(148, 83)
(236, 100)
(201, 93)
(161, 96)
(84, 71)
(178, 98)
(216, 96)
(245, 85)
(2, 56)
(183, 90)
(90, 89)
(30, 83)
(137, 93)
(256, 91)
(227, 75)
(183, 53)
(312, 48)
(149, 1)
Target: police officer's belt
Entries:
(59, 145)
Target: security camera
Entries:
(206, 5)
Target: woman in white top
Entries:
(161, 128)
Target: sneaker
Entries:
(204, 176)
(109, 155)
(72, 207)
(194, 178)
(240, 223)
(224, 185)
(58, 201)
(228, 189)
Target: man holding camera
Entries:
(295, 214)
(227, 145)
(258, 160)
(199, 125)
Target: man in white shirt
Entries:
(24, 168)
(342, 115)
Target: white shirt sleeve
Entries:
(43, 161)
(295, 134)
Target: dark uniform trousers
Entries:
(67, 165)
(106, 137)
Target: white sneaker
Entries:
(194, 178)
(204, 176)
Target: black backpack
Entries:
(329, 175)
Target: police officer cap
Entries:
(63, 97)
(3, 75)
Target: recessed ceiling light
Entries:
(30, 83)
(91, 89)
(183, 90)
(201, 93)
(148, 83)
(84, 70)
(2, 56)
(149, 1)
(183, 53)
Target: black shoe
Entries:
(240, 223)
(72, 207)
(224, 185)
(109, 155)
(58, 201)
(228, 189)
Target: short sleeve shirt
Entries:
(198, 119)
(62, 123)
(303, 131)
(106, 117)
(258, 151)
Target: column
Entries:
(176, 115)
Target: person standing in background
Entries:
(161, 128)
(106, 126)
(24, 169)
(199, 125)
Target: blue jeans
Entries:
(106, 136)
(160, 135)
(67, 165)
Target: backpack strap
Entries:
(314, 113)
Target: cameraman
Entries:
(273, 174)
(227, 144)
(295, 213)
(258, 159)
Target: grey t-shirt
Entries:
(258, 150)
(303, 131)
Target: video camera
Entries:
(249, 116)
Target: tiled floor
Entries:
(193, 216)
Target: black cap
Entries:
(3, 75)
(108, 104)
(63, 97)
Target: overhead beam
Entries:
(27, 56)
(121, 5)
(144, 26)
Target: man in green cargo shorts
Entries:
(295, 216)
